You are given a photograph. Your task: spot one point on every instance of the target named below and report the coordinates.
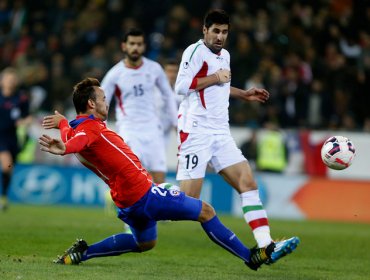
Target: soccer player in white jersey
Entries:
(132, 82)
(171, 68)
(203, 126)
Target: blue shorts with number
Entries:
(158, 204)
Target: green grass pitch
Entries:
(32, 236)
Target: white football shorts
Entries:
(149, 148)
(197, 150)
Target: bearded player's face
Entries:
(134, 47)
(215, 36)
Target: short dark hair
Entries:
(133, 32)
(217, 16)
(82, 92)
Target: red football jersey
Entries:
(105, 153)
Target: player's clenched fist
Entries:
(223, 76)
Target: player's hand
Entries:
(52, 121)
(257, 94)
(52, 145)
(223, 76)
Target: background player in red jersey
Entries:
(140, 202)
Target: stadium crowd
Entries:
(313, 56)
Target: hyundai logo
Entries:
(40, 185)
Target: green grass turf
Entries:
(32, 236)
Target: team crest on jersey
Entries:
(174, 192)
(185, 65)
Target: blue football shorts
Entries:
(158, 204)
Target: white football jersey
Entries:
(134, 92)
(205, 110)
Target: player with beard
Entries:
(133, 82)
(203, 125)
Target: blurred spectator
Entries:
(60, 84)
(245, 60)
(348, 122)
(293, 100)
(366, 127)
(363, 76)
(14, 112)
(96, 62)
(171, 68)
(18, 17)
(249, 149)
(58, 14)
(90, 23)
(271, 150)
(290, 45)
(319, 107)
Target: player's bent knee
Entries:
(146, 246)
(249, 186)
(207, 212)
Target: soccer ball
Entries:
(338, 152)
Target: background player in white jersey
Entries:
(203, 124)
(133, 81)
(171, 68)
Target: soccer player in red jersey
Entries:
(140, 202)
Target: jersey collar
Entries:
(80, 119)
(133, 67)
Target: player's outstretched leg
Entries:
(112, 246)
(73, 254)
(225, 238)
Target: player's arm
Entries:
(190, 79)
(252, 94)
(221, 76)
(58, 147)
(52, 121)
(58, 121)
(167, 96)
